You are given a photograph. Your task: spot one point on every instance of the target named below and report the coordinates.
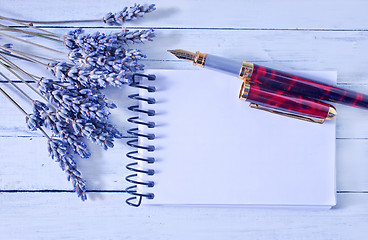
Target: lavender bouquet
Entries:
(71, 108)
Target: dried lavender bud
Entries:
(59, 151)
(40, 109)
(33, 122)
(45, 85)
(83, 127)
(69, 39)
(128, 14)
(7, 45)
(75, 55)
(104, 135)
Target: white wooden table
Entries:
(36, 201)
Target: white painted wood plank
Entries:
(352, 164)
(32, 169)
(340, 51)
(105, 216)
(206, 14)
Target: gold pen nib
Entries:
(197, 58)
(183, 55)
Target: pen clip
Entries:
(282, 113)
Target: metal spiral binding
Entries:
(136, 198)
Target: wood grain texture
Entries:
(35, 197)
(104, 216)
(261, 14)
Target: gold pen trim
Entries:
(246, 71)
(332, 113)
(296, 116)
(244, 91)
(245, 74)
(199, 59)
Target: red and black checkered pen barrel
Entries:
(275, 80)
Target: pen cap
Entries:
(298, 85)
(285, 104)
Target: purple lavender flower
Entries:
(59, 151)
(101, 42)
(64, 130)
(76, 103)
(103, 59)
(111, 60)
(137, 36)
(94, 78)
(128, 14)
(85, 111)
(104, 135)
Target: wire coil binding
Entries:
(137, 196)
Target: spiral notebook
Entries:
(198, 144)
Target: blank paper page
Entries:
(211, 148)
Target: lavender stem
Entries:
(11, 29)
(31, 43)
(51, 22)
(29, 25)
(15, 86)
(13, 101)
(20, 78)
(23, 55)
(31, 55)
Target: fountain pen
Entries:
(280, 92)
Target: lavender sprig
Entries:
(97, 41)
(128, 14)
(89, 77)
(59, 151)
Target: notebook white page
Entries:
(211, 148)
